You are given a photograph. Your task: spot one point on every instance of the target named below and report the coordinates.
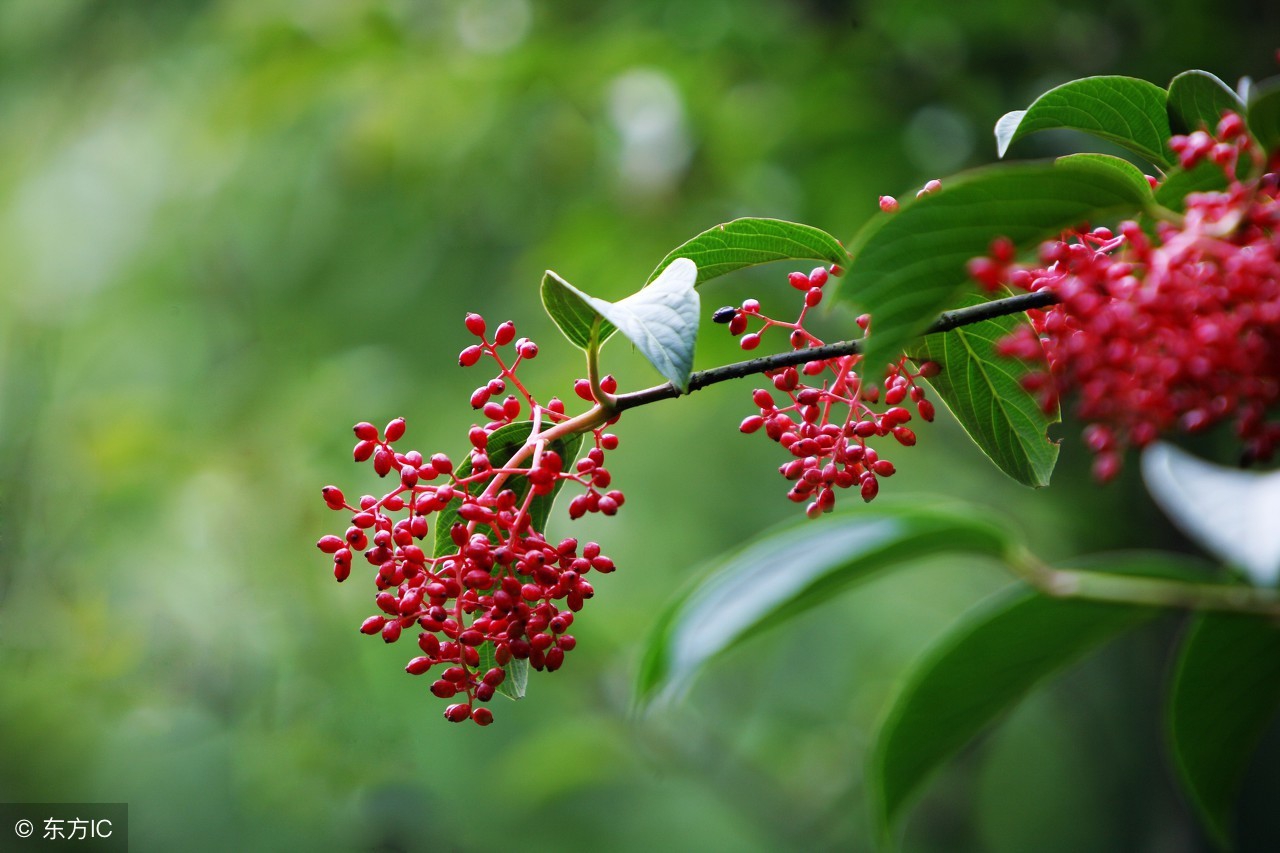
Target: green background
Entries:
(231, 229)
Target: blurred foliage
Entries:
(232, 228)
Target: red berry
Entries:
(418, 665)
(505, 333)
(475, 325)
(395, 430)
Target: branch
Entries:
(1154, 592)
(946, 321)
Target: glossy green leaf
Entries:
(1264, 113)
(984, 391)
(661, 319)
(985, 664)
(909, 266)
(1123, 110)
(1118, 167)
(748, 242)
(1197, 100)
(1226, 690)
(790, 570)
(1205, 177)
(503, 444)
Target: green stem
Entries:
(1154, 592)
(1160, 213)
(605, 399)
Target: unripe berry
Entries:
(750, 341)
(395, 430)
(505, 333)
(798, 280)
(475, 325)
(470, 355)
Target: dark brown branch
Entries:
(946, 321)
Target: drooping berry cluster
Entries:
(824, 412)
(489, 588)
(1176, 331)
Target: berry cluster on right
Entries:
(1171, 328)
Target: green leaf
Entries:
(1226, 690)
(1197, 100)
(790, 570)
(1205, 177)
(984, 391)
(984, 665)
(516, 681)
(572, 312)
(1118, 167)
(748, 242)
(503, 444)
(909, 266)
(1264, 114)
(1123, 110)
(661, 319)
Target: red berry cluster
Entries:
(1176, 331)
(826, 411)
(495, 590)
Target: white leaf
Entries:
(1232, 514)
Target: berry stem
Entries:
(946, 321)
